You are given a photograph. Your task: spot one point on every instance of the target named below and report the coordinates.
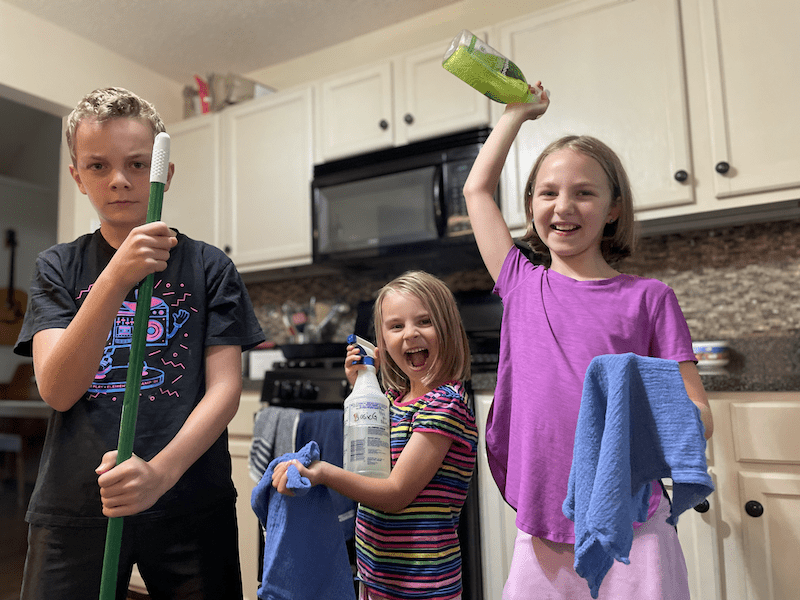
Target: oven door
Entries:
(369, 216)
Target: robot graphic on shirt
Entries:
(162, 326)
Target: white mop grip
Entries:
(159, 166)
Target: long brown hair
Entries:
(619, 237)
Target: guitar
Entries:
(12, 301)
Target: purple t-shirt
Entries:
(553, 326)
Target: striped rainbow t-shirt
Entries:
(415, 554)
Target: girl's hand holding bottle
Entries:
(354, 356)
(531, 110)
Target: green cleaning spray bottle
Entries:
(367, 420)
(488, 71)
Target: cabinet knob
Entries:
(227, 249)
(703, 507)
(408, 118)
(384, 124)
(754, 508)
(681, 176)
(722, 167)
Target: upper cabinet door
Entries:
(191, 204)
(615, 71)
(355, 113)
(433, 101)
(268, 181)
(751, 59)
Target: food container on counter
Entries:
(712, 357)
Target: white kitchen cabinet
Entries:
(267, 159)
(242, 180)
(355, 113)
(431, 101)
(696, 96)
(757, 465)
(405, 99)
(192, 204)
(752, 88)
(615, 71)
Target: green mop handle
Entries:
(159, 168)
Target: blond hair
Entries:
(111, 103)
(619, 237)
(453, 360)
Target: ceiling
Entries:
(181, 38)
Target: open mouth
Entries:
(417, 357)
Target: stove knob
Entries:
(308, 391)
(286, 392)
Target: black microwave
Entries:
(400, 200)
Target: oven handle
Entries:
(439, 201)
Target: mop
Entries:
(159, 168)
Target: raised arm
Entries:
(491, 232)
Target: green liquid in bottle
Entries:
(486, 70)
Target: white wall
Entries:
(437, 26)
(48, 68)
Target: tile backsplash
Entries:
(740, 284)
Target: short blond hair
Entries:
(453, 360)
(103, 104)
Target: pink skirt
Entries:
(543, 570)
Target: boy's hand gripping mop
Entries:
(159, 167)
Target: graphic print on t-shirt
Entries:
(162, 325)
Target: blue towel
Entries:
(636, 424)
(326, 427)
(305, 557)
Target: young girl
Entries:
(557, 318)
(406, 541)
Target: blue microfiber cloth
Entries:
(636, 424)
(326, 427)
(305, 557)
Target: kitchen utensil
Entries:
(159, 169)
(335, 311)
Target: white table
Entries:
(36, 409)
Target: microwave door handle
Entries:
(439, 202)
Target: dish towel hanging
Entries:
(305, 557)
(636, 424)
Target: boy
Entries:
(176, 491)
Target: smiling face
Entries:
(112, 167)
(571, 204)
(409, 337)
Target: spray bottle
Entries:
(367, 420)
(488, 71)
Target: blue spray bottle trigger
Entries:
(362, 345)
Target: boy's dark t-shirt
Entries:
(198, 301)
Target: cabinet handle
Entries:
(384, 124)
(703, 507)
(681, 176)
(227, 249)
(408, 118)
(722, 167)
(754, 508)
